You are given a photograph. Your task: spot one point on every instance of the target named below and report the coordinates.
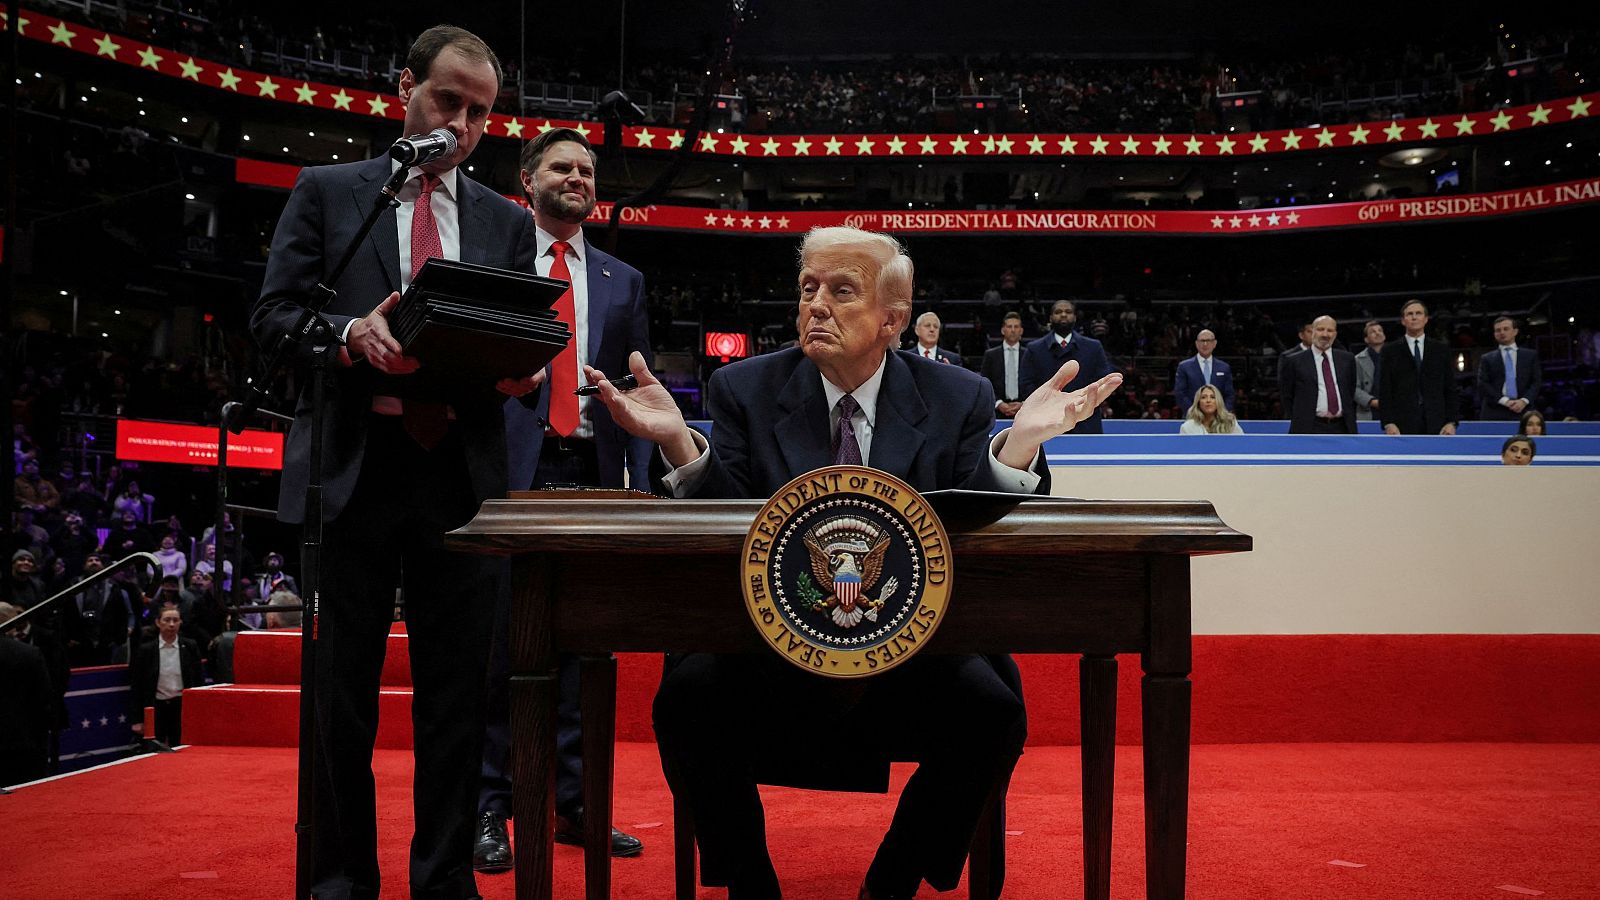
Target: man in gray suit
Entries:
(1367, 369)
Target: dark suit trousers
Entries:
(717, 716)
(169, 721)
(555, 467)
(391, 535)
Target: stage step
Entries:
(273, 657)
(268, 715)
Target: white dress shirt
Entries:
(169, 683)
(444, 218)
(1322, 387)
(577, 267)
(684, 480)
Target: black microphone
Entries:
(423, 148)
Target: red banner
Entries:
(48, 29)
(196, 445)
(1398, 132)
(1540, 198)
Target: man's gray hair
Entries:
(895, 271)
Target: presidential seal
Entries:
(846, 571)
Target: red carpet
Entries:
(1266, 821)
(1248, 688)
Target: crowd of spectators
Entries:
(1287, 88)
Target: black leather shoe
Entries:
(867, 893)
(493, 850)
(570, 831)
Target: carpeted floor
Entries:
(1280, 821)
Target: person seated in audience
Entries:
(208, 565)
(173, 561)
(1208, 415)
(129, 536)
(1531, 424)
(72, 541)
(928, 329)
(84, 500)
(286, 619)
(1518, 450)
(134, 500)
(33, 491)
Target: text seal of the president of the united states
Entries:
(846, 571)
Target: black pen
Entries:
(625, 383)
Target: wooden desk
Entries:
(1095, 578)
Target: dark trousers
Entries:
(169, 721)
(390, 536)
(725, 723)
(561, 462)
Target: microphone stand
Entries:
(313, 335)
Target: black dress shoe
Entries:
(570, 831)
(867, 893)
(493, 850)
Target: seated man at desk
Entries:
(844, 396)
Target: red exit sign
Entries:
(196, 445)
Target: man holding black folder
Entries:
(407, 456)
(566, 440)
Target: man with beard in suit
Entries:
(1047, 354)
(1416, 391)
(845, 396)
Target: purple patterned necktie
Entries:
(846, 452)
(1333, 392)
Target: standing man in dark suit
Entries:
(844, 396)
(1508, 376)
(1320, 385)
(1202, 369)
(1002, 365)
(27, 707)
(928, 329)
(1046, 355)
(160, 671)
(1416, 390)
(408, 457)
(575, 443)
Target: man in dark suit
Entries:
(1320, 385)
(1046, 355)
(98, 618)
(1202, 369)
(1499, 396)
(928, 330)
(160, 671)
(607, 296)
(843, 395)
(408, 457)
(1002, 365)
(1416, 387)
(27, 706)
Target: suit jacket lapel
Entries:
(599, 297)
(896, 435)
(385, 234)
(802, 431)
(469, 214)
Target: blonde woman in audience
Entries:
(1208, 415)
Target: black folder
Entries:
(467, 322)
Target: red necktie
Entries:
(1333, 392)
(564, 370)
(426, 421)
(424, 231)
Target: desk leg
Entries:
(1166, 701)
(533, 771)
(598, 701)
(1097, 714)
(534, 694)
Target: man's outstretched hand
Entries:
(1048, 412)
(648, 411)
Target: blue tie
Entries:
(1511, 374)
